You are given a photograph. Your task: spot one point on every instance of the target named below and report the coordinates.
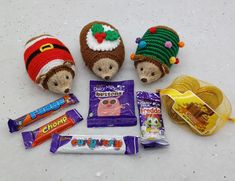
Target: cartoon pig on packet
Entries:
(109, 107)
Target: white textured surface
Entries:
(206, 26)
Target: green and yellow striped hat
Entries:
(159, 45)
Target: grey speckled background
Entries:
(206, 26)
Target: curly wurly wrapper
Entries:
(42, 112)
(95, 144)
(45, 132)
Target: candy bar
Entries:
(151, 122)
(111, 104)
(40, 135)
(94, 144)
(65, 101)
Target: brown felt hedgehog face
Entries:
(102, 49)
(58, 79)
(49, 64)
(148, 72)
(105, 68)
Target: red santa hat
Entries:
(43, 53)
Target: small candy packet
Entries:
(111, 104)
(151, 122)
(94, 144)
(42, 112)
(60, 124)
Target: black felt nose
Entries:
(66, 91)
(107, 77)
(144, 80)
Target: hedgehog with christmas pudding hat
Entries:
(156, 53)
(49, 63)
(102, 49)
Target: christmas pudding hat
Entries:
(159, 45)
(92, 54)
(44, 53)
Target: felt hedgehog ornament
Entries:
(156, 53)
(102, 49)
(49, 63)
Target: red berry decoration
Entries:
(177, 61)
(152, 30)
(100, 37)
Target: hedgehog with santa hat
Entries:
(49, 63)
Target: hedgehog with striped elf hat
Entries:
(156, 53)
(49, 63)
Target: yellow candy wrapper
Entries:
(199, 104)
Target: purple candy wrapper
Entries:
(151, 122)
(45, 132)
(42, 112)
(111, 104)
(103, 144)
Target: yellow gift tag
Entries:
(193, 110)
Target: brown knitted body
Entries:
(90, 56)
(36, 37)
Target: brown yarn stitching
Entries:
(167, 28)
(90, 57)
(53, 71)
(36, 37)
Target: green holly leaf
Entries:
(97, 28)
(111, 35)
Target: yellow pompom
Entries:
(172, 60)
(181, 44)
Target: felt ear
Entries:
(41, 78)
(68, 64)
(165, 69)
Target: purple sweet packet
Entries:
(111, 104)
(94, 144)
(151, 122)
(42, 112)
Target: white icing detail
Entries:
(105, 45)
(36, 40)
(50, 65)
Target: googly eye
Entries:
(113, 101)
(105, 102)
